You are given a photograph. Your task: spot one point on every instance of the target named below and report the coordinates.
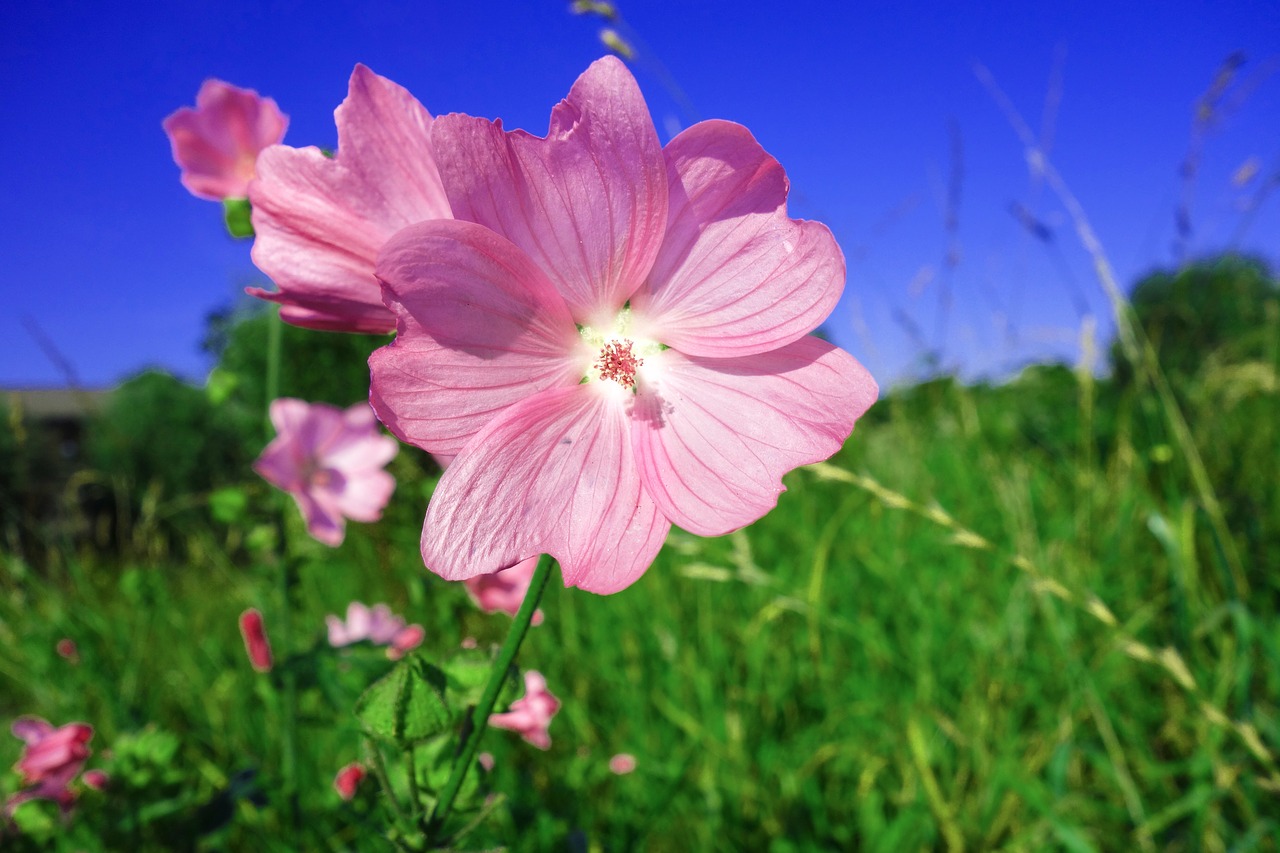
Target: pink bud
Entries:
(622, 763)
(95, 779)
(67, 650)
(348, 779)
(256, 644)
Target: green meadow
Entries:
(1038, 614)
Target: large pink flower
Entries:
(51, 759)
(331, 461)
(530, 715)
(321, 220)
(612, 337)
(217, 142)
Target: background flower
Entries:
(330, 461)
(50, 760)
(256, 644)
(217, 142)
(376, 624)
(531, 714)
(504, 591)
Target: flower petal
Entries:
(479, 328)
(552, 474)
(735, 275)
(320, 221)
(713, 437)
(588, 202)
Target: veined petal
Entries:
(320, 221)
(713, 437)
(553, 474)
(735, 275)
(588, 202)
(479, 328)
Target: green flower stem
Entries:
(480, 716)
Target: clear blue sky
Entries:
(861, 102)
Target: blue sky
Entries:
(869, 107)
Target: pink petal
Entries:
(713, 437)
(256, 644)
(217, 143)
(348, 780)
(479, 328)
(320, 221)
(31, 730)
(364, 496)
(587, 202)
(552, 474)
(338, 634)
(359, 620)
(324, 519)
(735, 275)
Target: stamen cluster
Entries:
(619, 363)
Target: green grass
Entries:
(998, 619)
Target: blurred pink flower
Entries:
(320, 220)
(66, 649)
(51, 759)
(256, 644)
(376, 624)
(504, 590)
(348, 779)
(331, 461)
(95, 779)
(486, 761)
(531, 714)
(217, 142)
(612, 337)
(622, 763)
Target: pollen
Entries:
(619, 363)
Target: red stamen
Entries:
(619, 363)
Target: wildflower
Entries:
(622, 763)
(531, 714)
(217, 143)
(321, 220)
(96, 779)
(376, 624)
(66, 649)
(348, 779)
(50, 760)
(331, 461)
(504, 590)
(486, 761)
(256, 644)
(610, 336)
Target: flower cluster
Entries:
(606, 336)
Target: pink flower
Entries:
(622, 763)
(504, 590)
(217, 143)
(612, 337)
(66, 649)
(51, 759)
(95, 779)
(531, 714)
(331, 461)
(320, 221)
(256, 644)
(348, 779)
(378, 625)
(486, 761)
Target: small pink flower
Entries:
(95, 779)
(376, 624)
(611, 337)
(320, 220)
(217, 143)
(531, 714)
(256, 644)
(66, 649)
(331, 461)
(622, 763)
(348, 779)
(51, 759)
(504, 590)
(486, 761)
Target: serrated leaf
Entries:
(407, 704)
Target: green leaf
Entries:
(228, 505)
(235, 212)
(406, 705)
